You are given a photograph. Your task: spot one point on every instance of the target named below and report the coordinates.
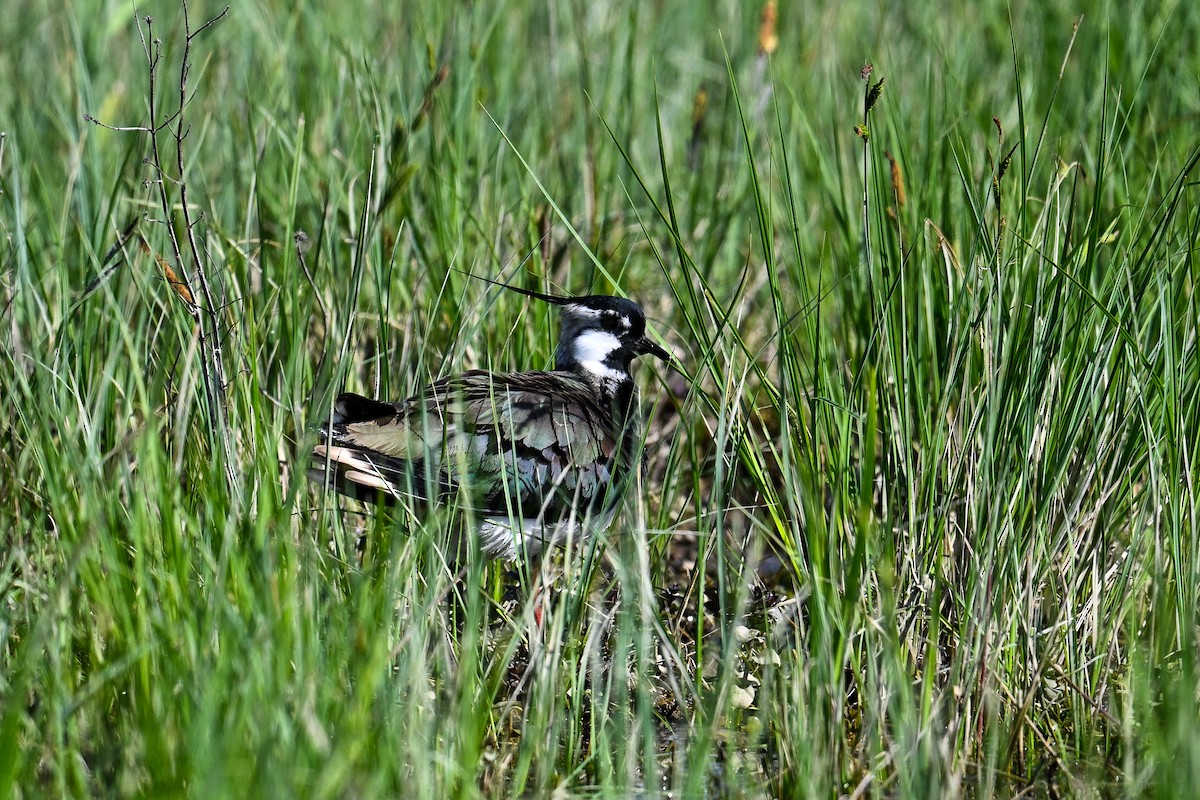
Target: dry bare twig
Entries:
(192, 279)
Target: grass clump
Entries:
(919, 519)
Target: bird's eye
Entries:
(610, 320)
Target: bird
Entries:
(534, 458)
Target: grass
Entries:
(919, 520)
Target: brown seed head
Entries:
(768, 39)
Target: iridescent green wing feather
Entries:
(544, 446)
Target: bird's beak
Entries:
(646, 347)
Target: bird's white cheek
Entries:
(595, 346)
(591, 350)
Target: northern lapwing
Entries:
(533, 457)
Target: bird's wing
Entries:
(532, 444)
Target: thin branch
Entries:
(118, 128)
(186, 251)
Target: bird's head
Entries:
(601, 336)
